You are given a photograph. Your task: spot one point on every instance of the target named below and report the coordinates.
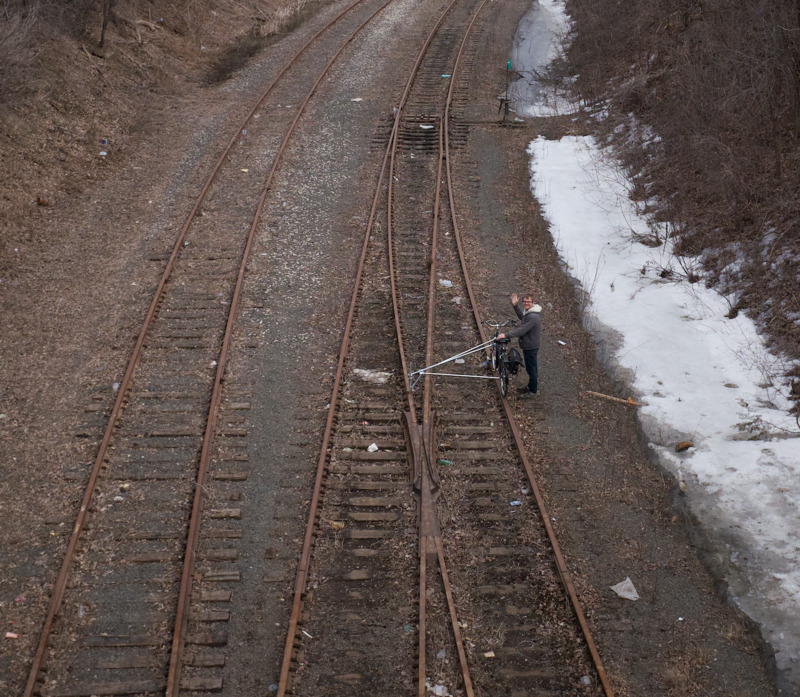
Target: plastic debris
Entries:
(489, 654)
(515, 503)
(306, 633)
(425, 126)
(445, 462)
(244, 170)
(445, 283)
(11, 635)
(273, 687)
(683, 445)
(372, 448)
(625, 589)
(459, 360)
(586, 680)
(374, 376)
(407, 628)
(445, 75)
(457, 300)
(561, 343)
(438, 690)
(102, 153)
(357, 99)
(442, 653)
(337, 525)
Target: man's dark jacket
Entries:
(530, 331)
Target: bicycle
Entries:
(500, 359)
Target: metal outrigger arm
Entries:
(415, 375)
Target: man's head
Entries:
(527, 301)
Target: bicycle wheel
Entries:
(494, 356)
(503, 374)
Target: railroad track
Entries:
(140, 606)
(450, 499)
(129, 598)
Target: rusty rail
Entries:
(59, 585)
(563, 571)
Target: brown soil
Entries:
(80, 230)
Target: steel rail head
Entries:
(388, 162)
(60, 583)
(560, 563)
(302, 568)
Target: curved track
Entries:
(118, 616)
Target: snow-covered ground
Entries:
(698, 375)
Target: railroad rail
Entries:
(130, 559)
(405, 488)
(494, 620)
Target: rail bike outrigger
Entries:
(503, 361)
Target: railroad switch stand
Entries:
(504, 107)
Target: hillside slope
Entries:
(702, 102)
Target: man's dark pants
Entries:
(531, 365)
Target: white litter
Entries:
(457, 300)
(372, 448)
(439, 690)
(425, 126)
(445, 283)
(372, 375)
(625, 589)
(562, 343)
(357, 99)
(459, 360)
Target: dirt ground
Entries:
(79, 256)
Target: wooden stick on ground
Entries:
(628, 401)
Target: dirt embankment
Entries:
(71, 104)
(702, 102)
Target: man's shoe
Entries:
(524, 390)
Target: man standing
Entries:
(529, 333)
